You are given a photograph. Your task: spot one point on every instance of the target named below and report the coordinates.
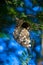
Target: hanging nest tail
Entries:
(21, 33)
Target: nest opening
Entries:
(25, 25)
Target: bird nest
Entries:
(21, 33)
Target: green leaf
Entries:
(3, 35)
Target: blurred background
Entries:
(11, 52)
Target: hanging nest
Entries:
(21, 33)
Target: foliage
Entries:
(20, 9)
(32, 12)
